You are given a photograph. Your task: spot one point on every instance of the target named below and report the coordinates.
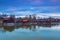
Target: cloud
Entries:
(31, 10)
(50, 14)
(22, 13)
(0, 13)
(55, 1)
(36, 2)
(49, 9)
(47, 15)
(29, 3)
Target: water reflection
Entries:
(28, 32)
(30, 27)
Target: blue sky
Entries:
(25, 7)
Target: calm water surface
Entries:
(30, 32)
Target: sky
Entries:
(27, 7)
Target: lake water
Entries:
(30, 32)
